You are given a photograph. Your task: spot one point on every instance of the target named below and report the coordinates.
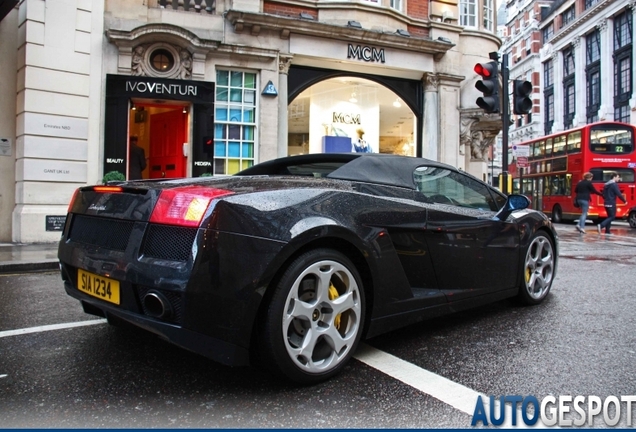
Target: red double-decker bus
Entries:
(556, 163)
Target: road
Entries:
(580, 341)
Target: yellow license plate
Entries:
(98, 286)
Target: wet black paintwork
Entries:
(417, 259)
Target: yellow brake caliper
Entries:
(333, 294)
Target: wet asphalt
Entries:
(580, 341)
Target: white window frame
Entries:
(468, 13)
(488, 15)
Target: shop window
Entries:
(234, 121)
(350, 114)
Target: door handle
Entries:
(163, 174)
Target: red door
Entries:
(167, 135)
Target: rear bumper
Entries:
(210, 347)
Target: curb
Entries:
(26, 267)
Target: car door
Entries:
(472, 253)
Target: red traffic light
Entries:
(483, 69)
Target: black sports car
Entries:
(291, 262)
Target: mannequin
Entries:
(359, 144)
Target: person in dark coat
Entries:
(137, 160)
(584, 190)
(610, 193)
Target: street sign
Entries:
(522, 161)
(518, 150)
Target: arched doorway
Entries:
(350, 113)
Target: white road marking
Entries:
(50, 327)
(451, 393)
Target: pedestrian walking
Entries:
(137, 161)
(584, 190)
(610, 193)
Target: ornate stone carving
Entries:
(284, 62)
(481, 141)
(576, 42)
(185, 64)
(431, 82)
(465, 134)
(602, 26)
(138, 67)
(141, 57)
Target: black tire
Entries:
(557, 214)
(539, 266)
(315, 318)
(631, 219)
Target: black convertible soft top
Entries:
(386, 169)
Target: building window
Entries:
(234, 122)
(567, 17)
(162, 60)
(622, 65)
(568, 87)
(590, 3)
(547, 32)
(468, 13)
(548, 91)
(488, 15)
(593, 75)
(397, 5)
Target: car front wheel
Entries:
(314, 319)
(538, 270)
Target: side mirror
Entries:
(514, 202)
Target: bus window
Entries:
(603, 174)
(539, 149)
(559, 145)
(548, 147)
(574, 142)
(611, 140)
(547, 181)
(531, 151)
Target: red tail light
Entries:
(70, 204)
(184, 206)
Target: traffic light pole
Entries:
(505, 117)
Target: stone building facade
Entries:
(211, 87)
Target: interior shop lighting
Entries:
(397, 103)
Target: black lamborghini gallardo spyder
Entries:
(291, 262)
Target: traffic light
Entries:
(489, 86)
(521, 102)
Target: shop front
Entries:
(171, 120)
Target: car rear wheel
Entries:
(631, 219)
(538, 270)
(315, 318)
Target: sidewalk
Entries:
(18, 258)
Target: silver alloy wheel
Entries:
(539, 267)
(321, 318)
